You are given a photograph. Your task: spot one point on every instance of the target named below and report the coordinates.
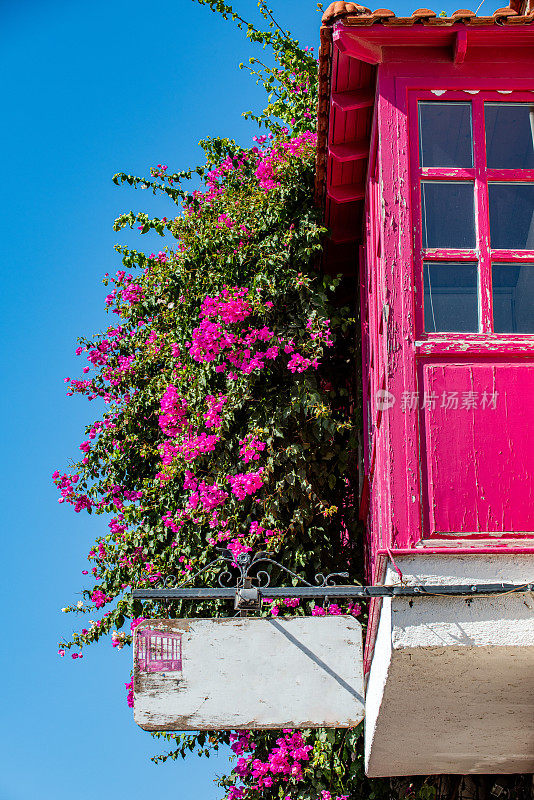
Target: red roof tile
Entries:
(354, 14)
(340, 9)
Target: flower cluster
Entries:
(99, 598)
(245, 351)
(173, 417)
(246, 483)
(67, 486)
(285, 762)
(250, 448)
(212, 418)
(326, 795)
(270, 162)
(118, 639)
(130, 693)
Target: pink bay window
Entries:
(426, 129)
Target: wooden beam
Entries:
(347, 193)
(349, 151)
(352, 101)
(460, 46)
(344, 237)
(355, 47)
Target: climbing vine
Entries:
(229, 410)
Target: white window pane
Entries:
(447, 212)
(450, 297)
(511, 211)
(445, 136)
(513, 298)
(509, 135)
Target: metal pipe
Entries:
(308, 592)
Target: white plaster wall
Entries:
(451, 687)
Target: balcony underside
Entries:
(451, 687)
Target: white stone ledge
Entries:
(451, 687)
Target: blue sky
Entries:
(89, 89)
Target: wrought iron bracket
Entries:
(249, 580)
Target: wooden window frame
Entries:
(483, 255)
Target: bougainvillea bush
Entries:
(228, 417)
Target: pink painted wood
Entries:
(477, 446)
(434, 471)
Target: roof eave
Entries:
(368, 42)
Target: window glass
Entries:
(509, 135)
(447, 211)
(513, 298)
(450, 297)
(445, 138)
(511, 211)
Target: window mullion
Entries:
(482, 217)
